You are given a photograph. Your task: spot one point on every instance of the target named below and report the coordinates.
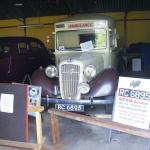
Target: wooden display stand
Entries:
(40, 139)
(91, 120)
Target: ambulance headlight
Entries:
(51, 71)
(90, 71)
(83, 88)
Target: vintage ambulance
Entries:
(86, 63)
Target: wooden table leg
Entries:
(55, 129)
(39, 128)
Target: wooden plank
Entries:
(103, 116)
(35, 109)
(19, 144)
(55, 129)
(99, 122)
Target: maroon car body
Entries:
(20, 56)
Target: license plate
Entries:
(70, 107)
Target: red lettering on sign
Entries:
(80, 25)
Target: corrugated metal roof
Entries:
(31, 8)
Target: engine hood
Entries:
(85, 58)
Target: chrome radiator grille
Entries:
(69, 80)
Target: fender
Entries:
(104, 84)
(39, 78)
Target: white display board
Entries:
(132, 102)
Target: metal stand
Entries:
(110, 135)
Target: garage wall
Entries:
(138, 28)
(12, 28)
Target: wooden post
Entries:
(39, 128)
(38, 111)
(55, 129)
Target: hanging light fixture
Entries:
(18, 4)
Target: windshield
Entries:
(71, 40)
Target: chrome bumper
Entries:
(108, 100)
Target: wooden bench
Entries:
(106, 123)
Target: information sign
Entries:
(132, 102)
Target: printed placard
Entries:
(136, 64)
(132, 102)
(7, 103)
(34, 95)
(86, 46)
(61, 48)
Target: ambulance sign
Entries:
(132, 102)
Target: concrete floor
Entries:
(82, 136)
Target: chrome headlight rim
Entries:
(51, 71)
(83, 88)
(90, 71)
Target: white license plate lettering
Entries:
(61, 107)
(70, 107)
